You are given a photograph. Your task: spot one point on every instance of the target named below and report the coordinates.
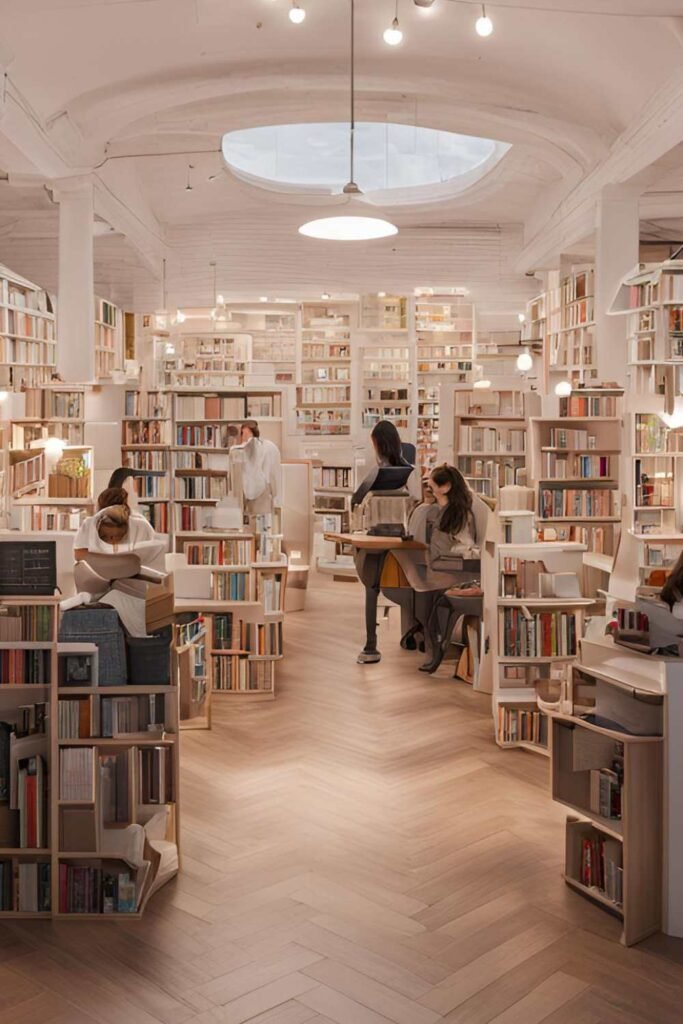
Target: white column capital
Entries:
(73, 187)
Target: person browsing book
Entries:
(261, 470)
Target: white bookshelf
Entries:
(28, 345)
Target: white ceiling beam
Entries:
(629, 164)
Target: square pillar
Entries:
(617, 251)
(76, 294)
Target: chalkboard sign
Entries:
(28, 568)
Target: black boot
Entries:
(408, 640)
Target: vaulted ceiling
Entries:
(133, 91)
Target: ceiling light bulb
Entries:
(524, 361)
(563, 389)
(521, 317)
(4, 395)
(297, 14)
(484, 25)
(381, 295)
(348, 229)
(263, 298)
(393, 35)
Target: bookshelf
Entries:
(386, 384)
(273, 332)
(107, 338)
(575, 466)
(53, 410)
(145, 448)
(205, 427)
(445, 343)
(539, 622)
(71, 752)
(570, 325)
(497, 352)
(491, 436)
(612, 783)
(28, 346)
(323, 405)
(191, 668)
(205, 359)
(383, 313)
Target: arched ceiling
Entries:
(135, 90)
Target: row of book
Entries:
(25, 668)
(96, 890)
(330, 373)
(27, 298)
(71, 479)
(371, 417)
(492, 439)
(501, 472)
(107, 313)
(269, 591)
(239, 673)
(152, 462)
(201, 488)
(542, 635)
(602, 866)
(572, 440)
(329, 350)
(654, 488)
(116, 717)
(26, 434)
(49, 520)
(588, 405)
(324, 421)
(596, 538)
(388, 355)
(332, 393)
(605, 790)
(428, 410)
(388, 395)
(265, 639)
(230, 586)
(29, 325)
(578, 314)
(46, 403)
(652, 434)
(587, 467)
(209, 436)
(77, 778)
(157, 515)
(32, 802)
(210, 407)
(233, 551)
(145, 432)
(151, 486)
(147, 404)
(333, 476)
(494, 403)
(522, 725)
(568, 502)
(30, 623)
(25, 886)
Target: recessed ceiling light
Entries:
(348, 229)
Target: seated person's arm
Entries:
(365, 487)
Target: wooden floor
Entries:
(359, 852)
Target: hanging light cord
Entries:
(353, 87)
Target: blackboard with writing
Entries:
(28, 568)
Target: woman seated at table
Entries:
(453, 529)
(388, 452)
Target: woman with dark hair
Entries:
(102, 577)
(386, 442)
(672, 591)
(453, 528)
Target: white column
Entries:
(616, 252)
(76, 295)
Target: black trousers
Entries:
(372, 574)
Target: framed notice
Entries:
(28, 568)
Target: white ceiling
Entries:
(131, 87)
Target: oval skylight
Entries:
(389, 158)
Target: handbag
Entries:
(392, 576)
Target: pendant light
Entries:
(219, 313)
(563, 389)
(393, 35)
(483, 25)
(350, 227)
(524, 361)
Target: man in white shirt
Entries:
(261, 471)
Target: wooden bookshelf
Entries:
(535, 635)
(108, 338)
(490, 436)
(612, 782)
(323, 404)
(445, 333)
(145, 448)
(386, 384)
(383, 313)
(28, 345)
(575, 467)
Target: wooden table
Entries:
(364, 542)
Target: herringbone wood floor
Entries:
(358, 852)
